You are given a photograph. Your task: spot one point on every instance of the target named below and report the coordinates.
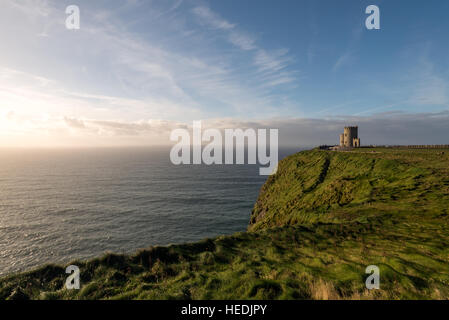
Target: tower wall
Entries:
(342, 140)
(350, 133)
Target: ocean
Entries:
(58, 205)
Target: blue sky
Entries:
(136, 69)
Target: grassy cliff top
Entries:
(318, 223)
(335, 187)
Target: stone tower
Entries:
(349, 138)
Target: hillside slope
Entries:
(317, 224)
(325, 186)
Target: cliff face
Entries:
(324, 186)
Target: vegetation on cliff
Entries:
(318, 186)
(318, 223)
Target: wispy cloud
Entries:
(345, 59)
(268, 62)
(272, 61)
(431, 88)
(348, 57)
(212, 19)
(242, 41)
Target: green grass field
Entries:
(317, 224)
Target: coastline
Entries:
(293, 254)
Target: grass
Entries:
(339, 187)
(318, 223)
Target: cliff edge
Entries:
(339, 187)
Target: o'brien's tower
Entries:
(350, 138)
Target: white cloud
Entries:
(266, 61)
(212, 19)
(272, 62)
(345, 59)
(242, 41)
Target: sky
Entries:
(137, 69)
